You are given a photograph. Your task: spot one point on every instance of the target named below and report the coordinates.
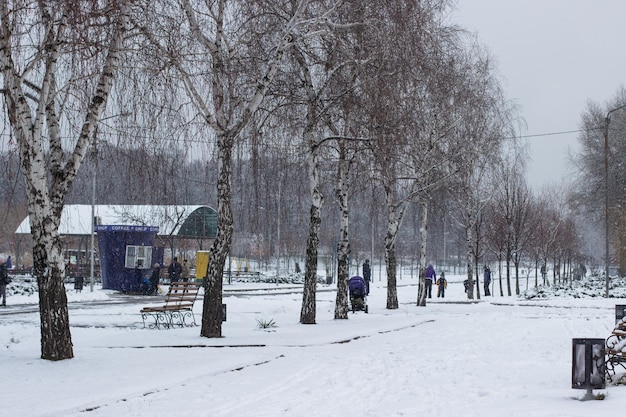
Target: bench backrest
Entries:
(182, 294)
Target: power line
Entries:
(565, 132)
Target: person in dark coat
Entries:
(356, 289)
(175, 270)
(487, 280)
(429, 277)
(4, 281)
(367, 275)
(154, 279)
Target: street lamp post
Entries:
(607, 121)
(93, 195)
(94, 165)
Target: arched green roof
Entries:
(201, 224)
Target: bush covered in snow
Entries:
(27, 284)
(22, 285)
(289, 278)
(594, 286)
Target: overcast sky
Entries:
(553, 56)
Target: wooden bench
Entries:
(178, 307)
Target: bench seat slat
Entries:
(177, 298)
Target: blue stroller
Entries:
(358, 295)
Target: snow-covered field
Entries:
(501, 356)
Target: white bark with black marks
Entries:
(47, 173)
(343, 247)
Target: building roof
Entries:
(172, 220)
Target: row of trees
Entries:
(275, 104)
(258, 217)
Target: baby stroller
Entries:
(358, 298)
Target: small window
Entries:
(138, 257)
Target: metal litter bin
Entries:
(78, 283)
(619, 312)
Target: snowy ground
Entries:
(497, 357)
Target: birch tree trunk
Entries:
(516, 262)
(477, 271)
(212, 306)
(393, 226)
(469, 229)
(307, 313)
(343, 250)
(500, 275)
(390, 260)
(421, 291)
(48, 175)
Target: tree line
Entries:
(381, 125)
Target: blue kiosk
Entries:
(127, 248)
(127, 254)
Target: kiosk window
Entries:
(138, 256)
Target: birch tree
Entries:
(522, 226)
(343, 247)
(400, 97)
(58, 61)
(225, 54)
(486, 121)
(313, 88)
(442, 89)
(324, 63)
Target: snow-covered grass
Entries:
(497, 356)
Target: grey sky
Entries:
(553, 56)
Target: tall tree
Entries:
(599, 163)
(486, 122)
(409, 41)
(58, 61)
(522, 226)
(226, 55)
(508, 184)
(324, 65)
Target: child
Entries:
(442, 284)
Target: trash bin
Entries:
(588, 365)
(619, 312)
(78, 283)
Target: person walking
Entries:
(175, 270)
(154, 279)
(4, 281)
(367, 275)
(487, 280)
(429, 277)
(442, 284)
(185, 271)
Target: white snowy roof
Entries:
(76, 218)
